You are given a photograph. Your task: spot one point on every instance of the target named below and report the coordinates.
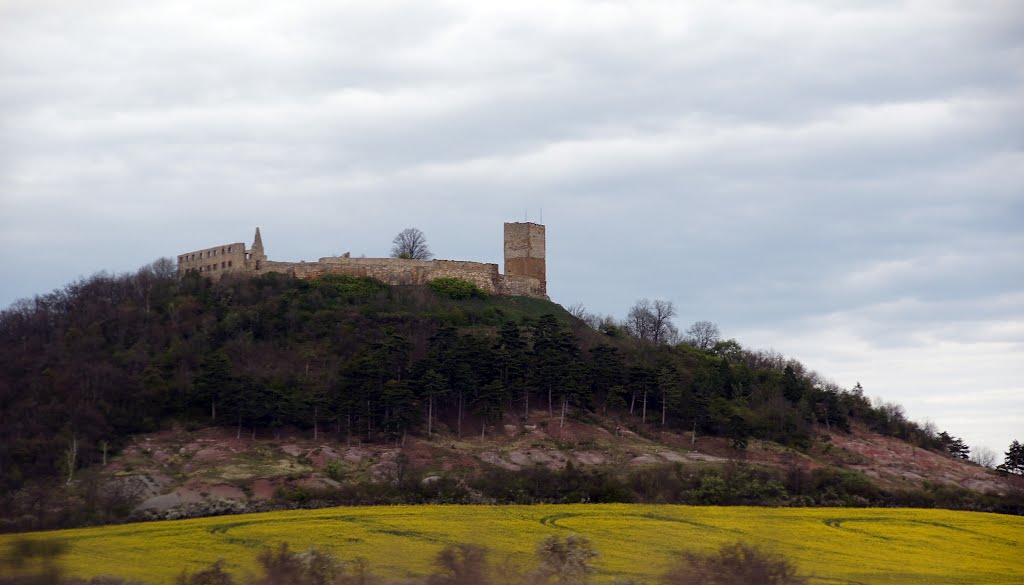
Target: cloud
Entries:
(842, 179)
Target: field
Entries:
(836, 545)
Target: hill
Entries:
(122, 389)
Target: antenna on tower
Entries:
(525, 216)
(541, 215)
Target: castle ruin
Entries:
(525, 268)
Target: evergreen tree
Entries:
(1014, 462)
(607, 370)
(792, 386)
(215, 381)
(432, 387)
(669, 391)
(510, 358)
(401, 409)
(954, 446)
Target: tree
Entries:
(578, 310)
(983, 456)
(432, 385)
(668, 389)
(733, 564)
(412, 244)
(212, 575)
(215, 381)
(1014, 462)
(310, 567)
(462, 564)
(567, 562)
(703, 335)
(652, 321)
(792, 385)
(41, 557)
(954, 445)
(553, 357)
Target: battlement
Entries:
(524, 265)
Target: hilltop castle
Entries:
(525, 269)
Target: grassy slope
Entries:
(891, 546)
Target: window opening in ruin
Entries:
(229, 263)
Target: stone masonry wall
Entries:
(524, 265)
(525, 254)
(520, 286)
(214, 262)
(395, 271)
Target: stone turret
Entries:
(256, 256)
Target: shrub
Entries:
(334, 470)
(456, 288)
(213, 575)
(733, 564)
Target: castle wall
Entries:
(524, 265)
(520, 286)
(396, 271)
(214, 262)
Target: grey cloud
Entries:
(853, 168)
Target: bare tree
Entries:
(639, 319)
(652, 321)
(565, 562)
(703, 335)
(411, 243)
(461, 564)
(733, 564)
(930, 429)
(984, 456)
(577, 310)
(664, 330)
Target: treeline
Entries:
(731, 484)
(109, 356)
(568, 560)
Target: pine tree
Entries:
(1014, 462)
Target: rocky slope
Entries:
(179, 473)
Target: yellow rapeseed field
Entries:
(835, 545)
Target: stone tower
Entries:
(256, 254)
(524, 252)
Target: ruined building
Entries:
(525, 271)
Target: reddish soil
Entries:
(214, 465)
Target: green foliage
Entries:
(99, 362)
(456, 288)
(1014, 462)
(954, 446)
(348, 289)
(334, 470)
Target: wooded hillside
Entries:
(109, 356)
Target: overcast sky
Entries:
(840, 181)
